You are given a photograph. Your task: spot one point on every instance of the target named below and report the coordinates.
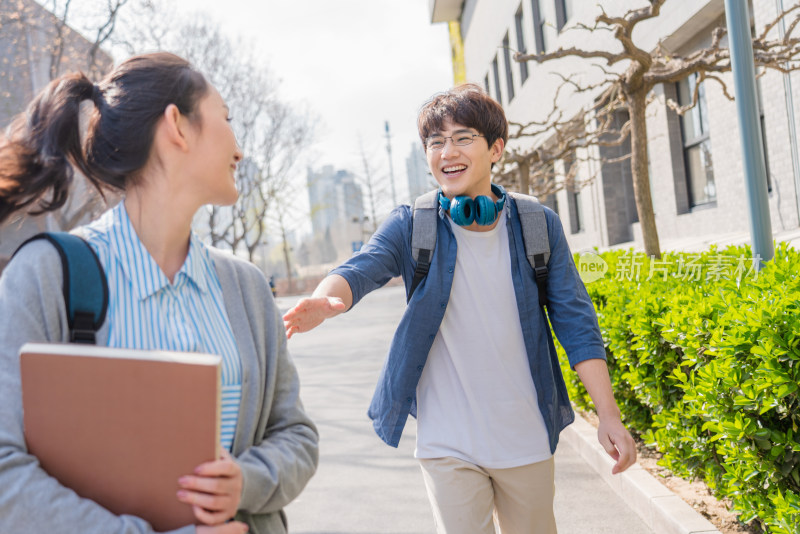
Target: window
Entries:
(523, 66)
(551, 202)
(498, 95)
(575, 212)
(545, 176)
(486, 84)
(507, 64)
(763, 124)
(538, 26)
(696, 144)
(564, 12)
(573, 198)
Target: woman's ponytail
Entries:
(44, 144)
(39, 146)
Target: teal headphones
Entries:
(482, 209)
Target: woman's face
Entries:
(215, 152)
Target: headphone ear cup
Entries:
(485, 210)
(462, 210)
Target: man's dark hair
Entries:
(465, 104)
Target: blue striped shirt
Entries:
(146, 311)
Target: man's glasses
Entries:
(437, 142)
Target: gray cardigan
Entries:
(275, 441)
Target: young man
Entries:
(472, 358)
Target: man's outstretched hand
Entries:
(310, 312)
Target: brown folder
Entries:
(120, 426)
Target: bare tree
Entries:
(628, 87)
(280, 213)
(555, 139)
(104, 31)
(286, 135)
(370, 181)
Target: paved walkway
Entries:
(364, 486)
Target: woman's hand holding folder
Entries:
(214, 491)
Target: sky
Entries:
(354, 63)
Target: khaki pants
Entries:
(468, 499)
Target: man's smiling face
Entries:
(462, 170)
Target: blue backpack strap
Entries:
(85, 285)
(535, 237)
(423, 236)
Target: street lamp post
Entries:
(391, 167)
(755, 172)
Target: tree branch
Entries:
(771, 25)
(610, 57)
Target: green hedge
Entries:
(704, 356)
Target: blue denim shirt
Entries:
(572, 315)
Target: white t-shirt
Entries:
(476, 399)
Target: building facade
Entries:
(695, 161)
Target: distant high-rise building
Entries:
(337, 208)
(420, 180)
(333, 195)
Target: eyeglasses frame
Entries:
(445, 138)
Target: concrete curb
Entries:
(660, 509)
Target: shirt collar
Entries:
(141, 269)
(197, 263)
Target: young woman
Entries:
(161, 132)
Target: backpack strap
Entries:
(534, 235)
(423, 236)
(85, 284)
